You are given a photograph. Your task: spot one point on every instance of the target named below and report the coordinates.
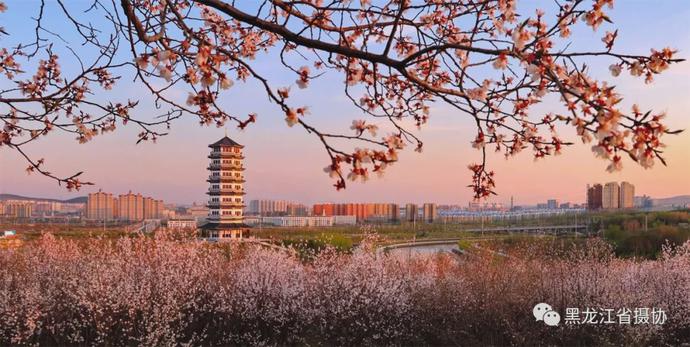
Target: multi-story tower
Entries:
(594, 196)
(19, 209)
(131, 207)
(552, 204)
(226, 191)
(153, 209)
(116, 208)
(411, 212)
(611, 196)
(297, 210)
(99, 206)
(627, 199)
(430, 212)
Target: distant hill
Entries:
(77, 200)
(679, 200)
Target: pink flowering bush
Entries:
(167, 291)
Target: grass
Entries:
(389, 233)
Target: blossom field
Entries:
(166, 291)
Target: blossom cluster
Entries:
(170, 291)
(490, 62)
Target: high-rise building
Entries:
(269, 207)
(594, 196)
(147, 204)
(611, 196)
(116, 208)
(627, 195)
(19, 209)
(411, 212)
(643, 201)
(131, 207)
(45, 208)
(297, 210)
(152, 208)
(226, 191)
(160, 208)
(381, 212)
(99, 206)
(126, 207)
(387, 212)
(322, 210)
(552, 204)
(430, 213)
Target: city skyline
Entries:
(173, 169)
(503, 201)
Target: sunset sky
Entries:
(287, 163)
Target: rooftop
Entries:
(225, 226)
(225, 142)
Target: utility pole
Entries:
(260, 212)
(481, 216)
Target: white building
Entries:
(182, 223)
(313, 221)
(344, 220)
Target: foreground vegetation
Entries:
(625, 231)
(161, 291)
(631, 238)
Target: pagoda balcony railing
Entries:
(216, 155)
(229, 191)
(221, 204)
(225, 166)
(228, 179)
(225, 218)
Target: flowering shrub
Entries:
(164, 291)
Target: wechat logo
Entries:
(544, 312)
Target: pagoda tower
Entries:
(226, 191)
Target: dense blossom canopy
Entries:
(395, 57)
(163, 291)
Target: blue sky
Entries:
(286, 163)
